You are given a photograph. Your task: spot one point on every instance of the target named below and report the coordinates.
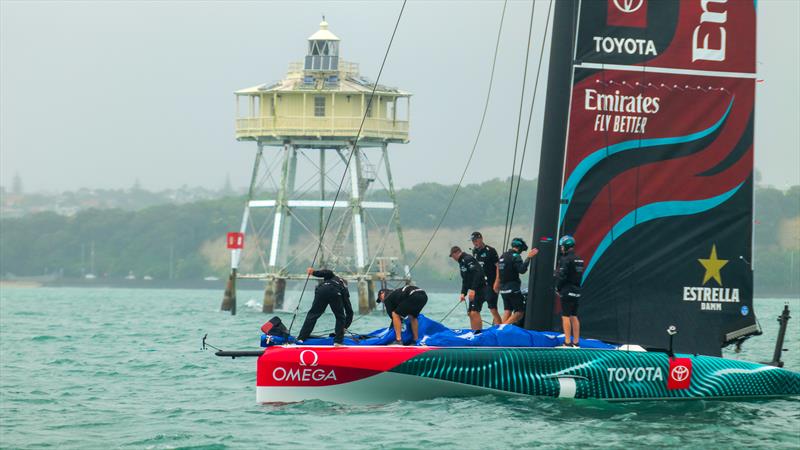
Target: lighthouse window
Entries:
(368, 104)
(319, 106)
(319, 48)
(390, 110)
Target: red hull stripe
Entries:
(325, 366)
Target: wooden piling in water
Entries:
(273, 295)
(363, 297)
(226, 297)
(268, 305)
(229, 297)
(371, 294)
(280, 290)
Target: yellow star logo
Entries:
(713, 265)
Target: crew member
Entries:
(487, 257)
(568, 285)
(332, 291)
(507, 282)
(406, 301)
(473, 285)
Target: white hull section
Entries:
(378, 389)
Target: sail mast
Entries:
(539, 309)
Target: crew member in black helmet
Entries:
(331, 292)
(406, 301)
(473, 285)
(507, 283)
(487, 257)
(568, 285)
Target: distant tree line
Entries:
(478, 205)
(143, 241)
(777, 241)
(165, 241)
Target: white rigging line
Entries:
(530, 116)
(506, 230)
(474, 145)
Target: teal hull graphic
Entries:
(600, 374)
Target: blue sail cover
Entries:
(434, 334)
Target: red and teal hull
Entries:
(384, 374)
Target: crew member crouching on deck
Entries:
(473, 285)
(507, 282)
(406, 301)
(331, 292)
(568, 285)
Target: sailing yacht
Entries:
(647, 160)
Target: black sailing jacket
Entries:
(330, 279)
(511, 266)
(471, 274)
(487, 258)
(569, 275)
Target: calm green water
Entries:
(111, 368)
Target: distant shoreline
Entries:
(19, 284)
(242, 285)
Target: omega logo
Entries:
(304, 358)
(679, 373)
(627, 6)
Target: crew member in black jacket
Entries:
(332, 291)
(473, 285)
(507, 283)
(486, 255)
(406, 301)
(568, 276)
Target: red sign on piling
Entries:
(235, 240)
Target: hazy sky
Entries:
(99, 94)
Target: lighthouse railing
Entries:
(339, 126)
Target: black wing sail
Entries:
(657, 182)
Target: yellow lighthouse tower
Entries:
(322, 114)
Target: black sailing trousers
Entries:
(324, 296)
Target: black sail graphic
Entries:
(649, 126)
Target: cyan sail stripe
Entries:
(599, 155)
(653, 211)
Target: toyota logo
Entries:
(304, 359)
(628, 6)
(679, 373)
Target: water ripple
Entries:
(147, 385)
